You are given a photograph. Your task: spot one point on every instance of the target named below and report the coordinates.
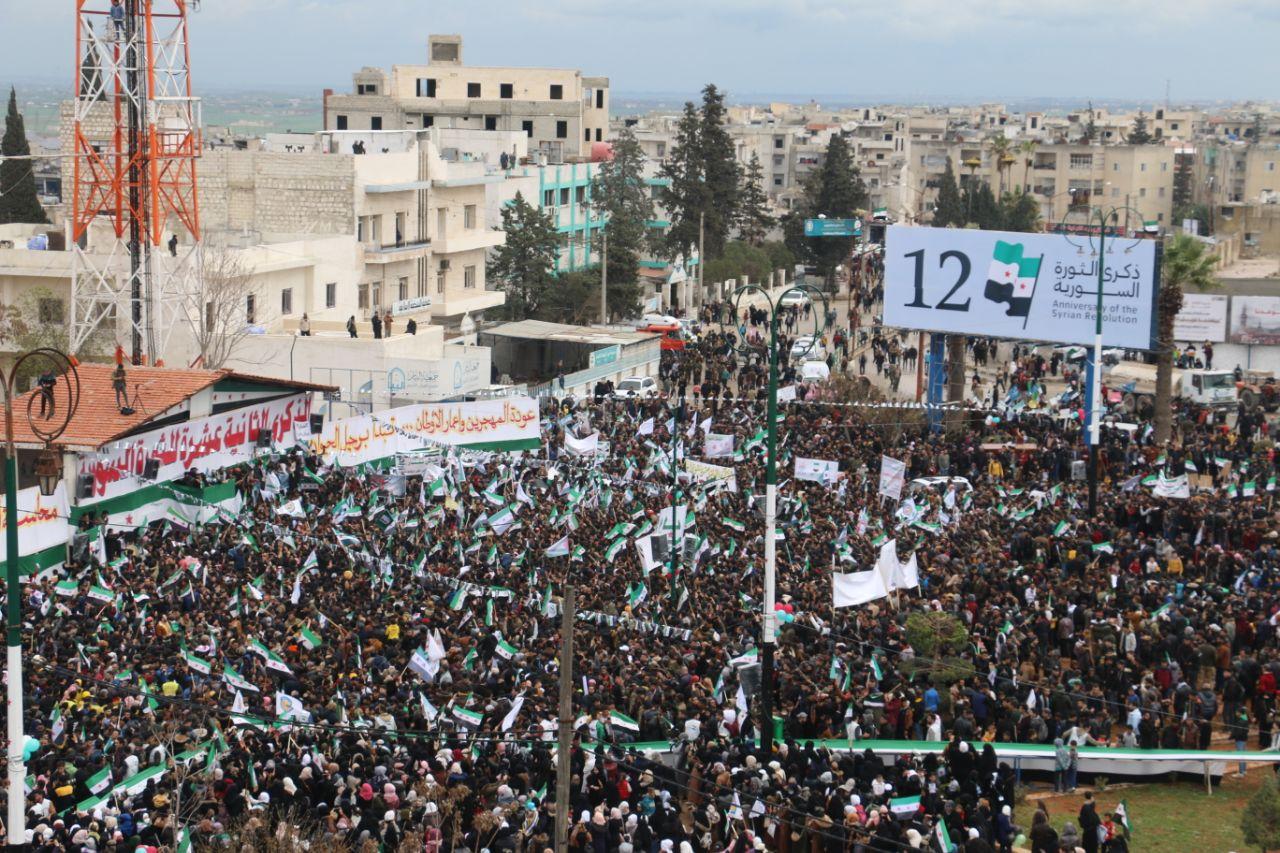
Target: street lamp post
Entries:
(55, 412)
(769, 628)
(1101, 218)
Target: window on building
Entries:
(469, 277)
(599, 135)
(469, 216)
(661, 150)
(422, 285)
(527, 126)
(1160, 192)
(506, 91)
(473, 90)
(1142, 192)
(580, 195)
(1081, 161)
(404, 288)
(249, 309)
(779, 141)
(564, 195)
(331, 295)
(428, 121)
(490, 122)
(366, 88)
(562, 130)
(340, 122)
(777, 180)
(286, 300)
(1164, 167)
(375, 123)
(1142, 167)
(426, 87)
(599, 99)
(777, 159)
(51, 311)
(1271, 167)
(440, 281)
(548, 198)
(1159, 115)
(586, 134)
(557, 92)
(362, 296)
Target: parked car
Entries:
(793, 297)
(637, 386)
(808, 348)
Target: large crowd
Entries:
(367, 656)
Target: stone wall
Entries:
(277, 193)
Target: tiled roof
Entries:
(151, 391)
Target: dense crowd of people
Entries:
(371, 656)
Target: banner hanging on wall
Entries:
(1039, 287)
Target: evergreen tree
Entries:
(836, 191)
(1260, 819)
(1182, 178)
(754, 220)
(18, 201)
(1139, 135)
(685, 195)
(720, 171)
(522, 265)
(981, 207)
(1091, 126)
(619, 192)
(949, 210)
(1019, 212)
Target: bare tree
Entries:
(223, 320)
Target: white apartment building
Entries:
(560, 112)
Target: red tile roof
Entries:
(151, 390)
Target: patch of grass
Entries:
(1174, 816)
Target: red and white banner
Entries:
(205, 444)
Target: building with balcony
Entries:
(560, 112)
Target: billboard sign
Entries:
(1203, 318)
(1002, 284)
(1255, 320)
(833, 228)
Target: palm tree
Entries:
(1186, 263)
(1000, 148)
(1028, 148)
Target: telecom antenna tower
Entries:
(136, 138)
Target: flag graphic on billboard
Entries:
(1011, 279)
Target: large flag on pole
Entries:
(854, 588)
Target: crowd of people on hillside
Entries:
(372, 656)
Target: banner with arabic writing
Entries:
(509, 423)
(206, 444)
(42, 521)
(1038, 287)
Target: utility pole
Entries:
(604, 276)
(565, 728)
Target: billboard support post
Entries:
(937, 380)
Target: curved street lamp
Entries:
(769, 347)
(49, 409)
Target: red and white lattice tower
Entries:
(136, 137)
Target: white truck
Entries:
(1136, 383)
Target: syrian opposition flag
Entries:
(100, 781)
(310, 638)
(875, 669)
(904, 805)
(613, 550)
(1122, 815)
(943, 836)
(506, 650)
(272, 660)
(622, 721)
(469, 718)
(235, 680)
(732, 524)
(197, 664)
(421, 663)
(1060, 529)
(1011, 278)
(1104, 548)
(560, 548)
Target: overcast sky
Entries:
(851, 49)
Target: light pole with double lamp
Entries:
(800, 294)
(49, 409)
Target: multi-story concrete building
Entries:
(560, 112)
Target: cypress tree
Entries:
(18, 201)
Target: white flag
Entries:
(581, 446)
(510, 719)
(907, 575)
(888, 564)
(856, 588)
(646, 428)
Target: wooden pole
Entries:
(565, 729)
